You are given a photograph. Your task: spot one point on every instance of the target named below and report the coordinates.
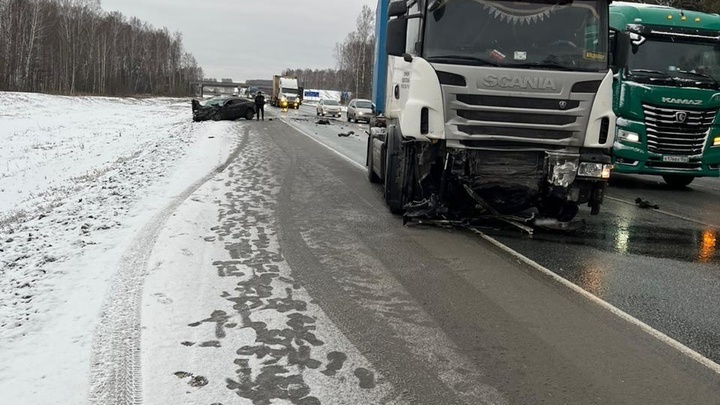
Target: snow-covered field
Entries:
(79, 178)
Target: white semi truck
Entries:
(493, 106)
(286, 92)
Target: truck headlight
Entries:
(627, 136)
(597, 170)
(716, 141)
(562, 168)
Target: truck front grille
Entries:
(677, 132)
(510, 123)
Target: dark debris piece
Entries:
(645, 204)
(198, 381)
(350, 133)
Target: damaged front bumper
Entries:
(523, 188)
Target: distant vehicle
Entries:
(328, 107)
(285, 92)
(359, 110)
(223, 108)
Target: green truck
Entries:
(667, 98)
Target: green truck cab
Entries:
(667, 98)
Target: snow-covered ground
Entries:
(79, 178)
(141, 262)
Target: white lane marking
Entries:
(297, 128)
(690, 353)
(670, 214)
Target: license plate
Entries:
(676, 159)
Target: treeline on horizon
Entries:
(74, 47)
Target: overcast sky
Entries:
(251, 39)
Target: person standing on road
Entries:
(260, 105)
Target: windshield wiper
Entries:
(665, 75)
(703, 75)
(457, 58)
(544, 65)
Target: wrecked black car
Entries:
(223, 108)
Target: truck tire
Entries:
(395, 172)
(372, 176)
(677, 181)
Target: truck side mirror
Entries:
(620, 44)
(397, 9)
(396, 36)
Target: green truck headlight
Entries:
(597, 170)
(716, 141)
(627, 136)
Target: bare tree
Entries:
(354, 57)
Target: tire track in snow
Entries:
(115, 375)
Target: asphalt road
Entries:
(443, 317)
(661, 266)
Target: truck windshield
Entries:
(531, 34)
(681, 63)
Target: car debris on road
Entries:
(645, 204)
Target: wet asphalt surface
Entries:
(661, 266)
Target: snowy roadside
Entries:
(79, 177)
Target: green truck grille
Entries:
(677, 132)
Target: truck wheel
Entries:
(372, 177)
(677, 181)
(395, 172)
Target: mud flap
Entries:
(596, 198)
(395, 169)
(370, 160)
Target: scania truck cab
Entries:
(495, 105)
(667, 99)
